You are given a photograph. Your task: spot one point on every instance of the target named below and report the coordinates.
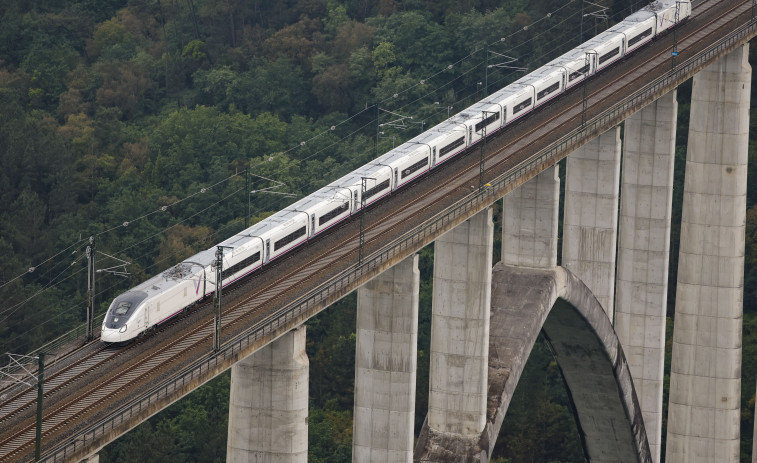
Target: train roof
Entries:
(660, 5)
(642, 15)
(402, 151)
(172, 276)
(355, 177)
(478, 108)
(325, 194)
(541, 73)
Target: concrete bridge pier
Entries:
(590, 218)
(386, 364)
(460, 327)
(643, 249)
(530, 216)
(705, 377)
(754, 439)
(268, 406)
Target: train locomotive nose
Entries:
(120, 314)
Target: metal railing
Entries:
(342, 283)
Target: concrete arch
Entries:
(525, 302)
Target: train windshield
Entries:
(122, 308)
(124, 303)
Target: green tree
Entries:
(111, 41)
(48, 63)
(276, 87)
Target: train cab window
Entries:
(609, 55)
(551, 89)
(522, 105)
(122, 308)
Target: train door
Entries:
(396, 177)
(267, 250)
(433, 157)
(470, 134)
(312, 224)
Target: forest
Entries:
(140, 122)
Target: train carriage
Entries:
(242, 255)
(281, 232)
(547, 82)
(604, 49)
(639, 29)
(484, 117)
(325, 208)
(576, 67)
(445, 140)
(157, 299)
(668, 13)
(407, 161)
(517, 101)
(378, 183)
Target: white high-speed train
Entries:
(167, 294)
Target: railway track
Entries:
(101, 378)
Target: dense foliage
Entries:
(140, 121)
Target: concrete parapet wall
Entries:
(385, 365)
(268, 405)
(643, 253)
(705, 379)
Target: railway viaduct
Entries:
(602, 309)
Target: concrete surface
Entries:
(529, 222)
(754, 438)
(525, 301)
(643, 253)
(590, 218)
(385, 365)
(460, 327)
(268, 405)
(705, 379)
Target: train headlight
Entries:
(123, 329)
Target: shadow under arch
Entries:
(525, 302)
